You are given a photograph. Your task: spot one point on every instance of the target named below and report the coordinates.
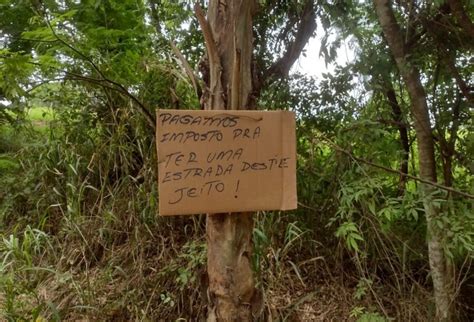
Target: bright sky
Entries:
(313, 64)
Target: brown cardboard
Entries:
(225, 161)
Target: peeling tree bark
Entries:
(228, 36)
(419, 109)
(233, 84)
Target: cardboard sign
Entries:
(225, 161)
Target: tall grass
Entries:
(80, 236)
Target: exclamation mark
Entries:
(237, 188)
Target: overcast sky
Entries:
(313, 64)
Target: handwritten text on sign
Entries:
(225, 161)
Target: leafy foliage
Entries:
(79, 231)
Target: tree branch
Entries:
(187, 68)
(449, 58)
(215, 89)
(463, 19)
(141, 107)
(463, 87)
(306, 28)
(428, 182)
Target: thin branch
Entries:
(116, 88)
(390, 170)
(449, 59)
(187, 68)
(463, 87)
(463, 18)
(33, 39)
(41, 83)
(148, 116)
(98, 81)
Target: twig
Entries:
(434, 184)
(149, 117)
(33, 39)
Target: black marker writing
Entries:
(191, 192)
(226, 155)
(217, 171)
(267, 165)
(192, 136)
(178, 157)
(247, 133)
(187, 119)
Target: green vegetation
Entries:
(40, 114)
(80, 237)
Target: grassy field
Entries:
(12, 138)
(41, 114)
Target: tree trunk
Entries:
(228, 36)
(403, 132)
(234, 83)
(419, 109)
